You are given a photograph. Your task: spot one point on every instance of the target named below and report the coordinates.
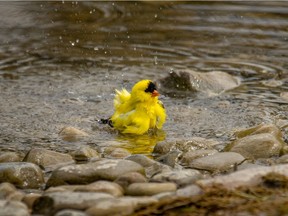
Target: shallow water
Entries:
(61, 61)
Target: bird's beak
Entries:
(155, 93)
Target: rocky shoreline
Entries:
(196, 176)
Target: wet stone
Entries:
(149, 189)
(29, 199)
(9, 157)
(263, 145)
(9, 192)
(119, 153)
(141, 159)
(105, 169)
(128, 178)
(68, 212)
(85, 153)
(47, 158)
(179, 177)
(157, 168)
(219, 162)
(72, 134)
(189, 191)
(117, 207)
(244, 178)
(98, 186)
(170, 158)
(283, 159)
(13, 208)
(22, 174)
(52, 202)
(188, 157)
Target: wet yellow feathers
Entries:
(139, 111)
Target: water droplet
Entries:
(96, 48)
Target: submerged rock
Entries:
(47, 158)
(220, 162)
(188, 82)
(105, 169)
(72, 134)
(21, 174)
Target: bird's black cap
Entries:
(151, 87)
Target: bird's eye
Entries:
(151, 87)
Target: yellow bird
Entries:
(139, 111)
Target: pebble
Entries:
(179, 177)
(85, 153)
(244, 178)
(72, 134)
(13, 208)
(260, 129)
(104, 169)
(9, 157)
(189, 191)
(119, 153)
(128, 178)
(46, 158)
(9, 192)
(143, 160)
(98, 186)
(189, 156)
(68, 212)
(149, 189)
(54, 201)
(171, 158)
(220, 162)
(13, 172)
(263, 145)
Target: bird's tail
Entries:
(106, 121)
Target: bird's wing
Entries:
(121, 97)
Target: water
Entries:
(61, 61)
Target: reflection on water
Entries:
(61, 61)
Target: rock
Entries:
(188, 157)
(189, 191)
(21, 174)
(283, 159)
(171, 158)
(244, 178)
(263, 145)
(187, 82)
(272, 83)
(68, 212)
(157, 168)
(9, 192)
(72, 134)
(179, 177)
(111, 207)
(105, 169)
(193, 144)
(47, 158)
(219, 162)
(259, 129)
(9, 157)
(50, 203)
(119, 153)
(129, 178)
(284, 95)
(13, 208)
(149, 189)
(140, 202)
(85, 153)
(98, 186)
(29, 199)
(143, 160)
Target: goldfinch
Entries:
(139, 111)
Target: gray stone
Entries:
(189, 156)
(189, 191)
(157, 168)
(72, 134)
(13, 208)
(263, 145)
(117, 207)
(85, 153)
(171, 158)
(21, 174)
(118, 153)
(9, 157)
(9, 192)
(55, 201)
(105, 169)
(98, 186)
(68, 212)
(219, 162)
(47, 158)
(30, 198)
(188, 81)
(143, 160)
(283, 159)
(244, 178)
(129, 178)
(180, 177)
(149, 189)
